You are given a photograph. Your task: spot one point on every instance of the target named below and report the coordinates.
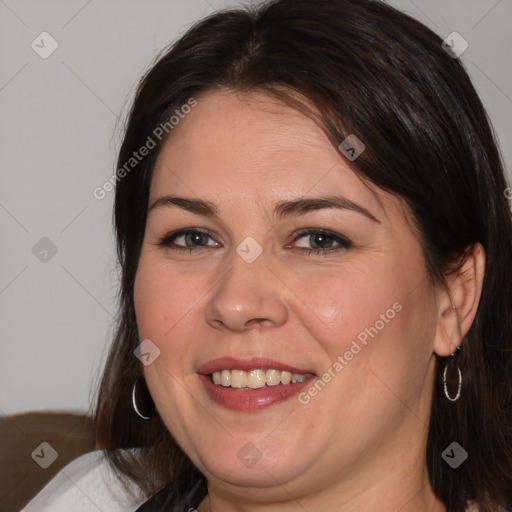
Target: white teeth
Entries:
(226, 377)
(238, 378)
(273, 377)
(255, 379)
(286, 377)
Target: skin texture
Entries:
(359, 444)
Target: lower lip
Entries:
(254, 399)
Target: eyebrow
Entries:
(282, 209)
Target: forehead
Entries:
(234, 145)
(246, 133)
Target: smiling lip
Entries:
(250, 399)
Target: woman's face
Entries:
(288, 264)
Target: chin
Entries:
(259, 464)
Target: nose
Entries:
(248, 296)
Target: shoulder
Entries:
(85, 484)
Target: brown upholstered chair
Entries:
(23, 459)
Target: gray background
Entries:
(59, 132)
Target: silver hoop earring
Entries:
(150, 413)
(459, 387)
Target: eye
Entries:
(322, 241)
(187, 240)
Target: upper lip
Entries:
(249, 363)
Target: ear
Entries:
(458, 302)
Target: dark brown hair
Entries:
(371, 71)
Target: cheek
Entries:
(368, 323)
(164, 308)
(148, 301)
(163, 304)
(339, 307)
(377, 348)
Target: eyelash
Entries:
(344, 243)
